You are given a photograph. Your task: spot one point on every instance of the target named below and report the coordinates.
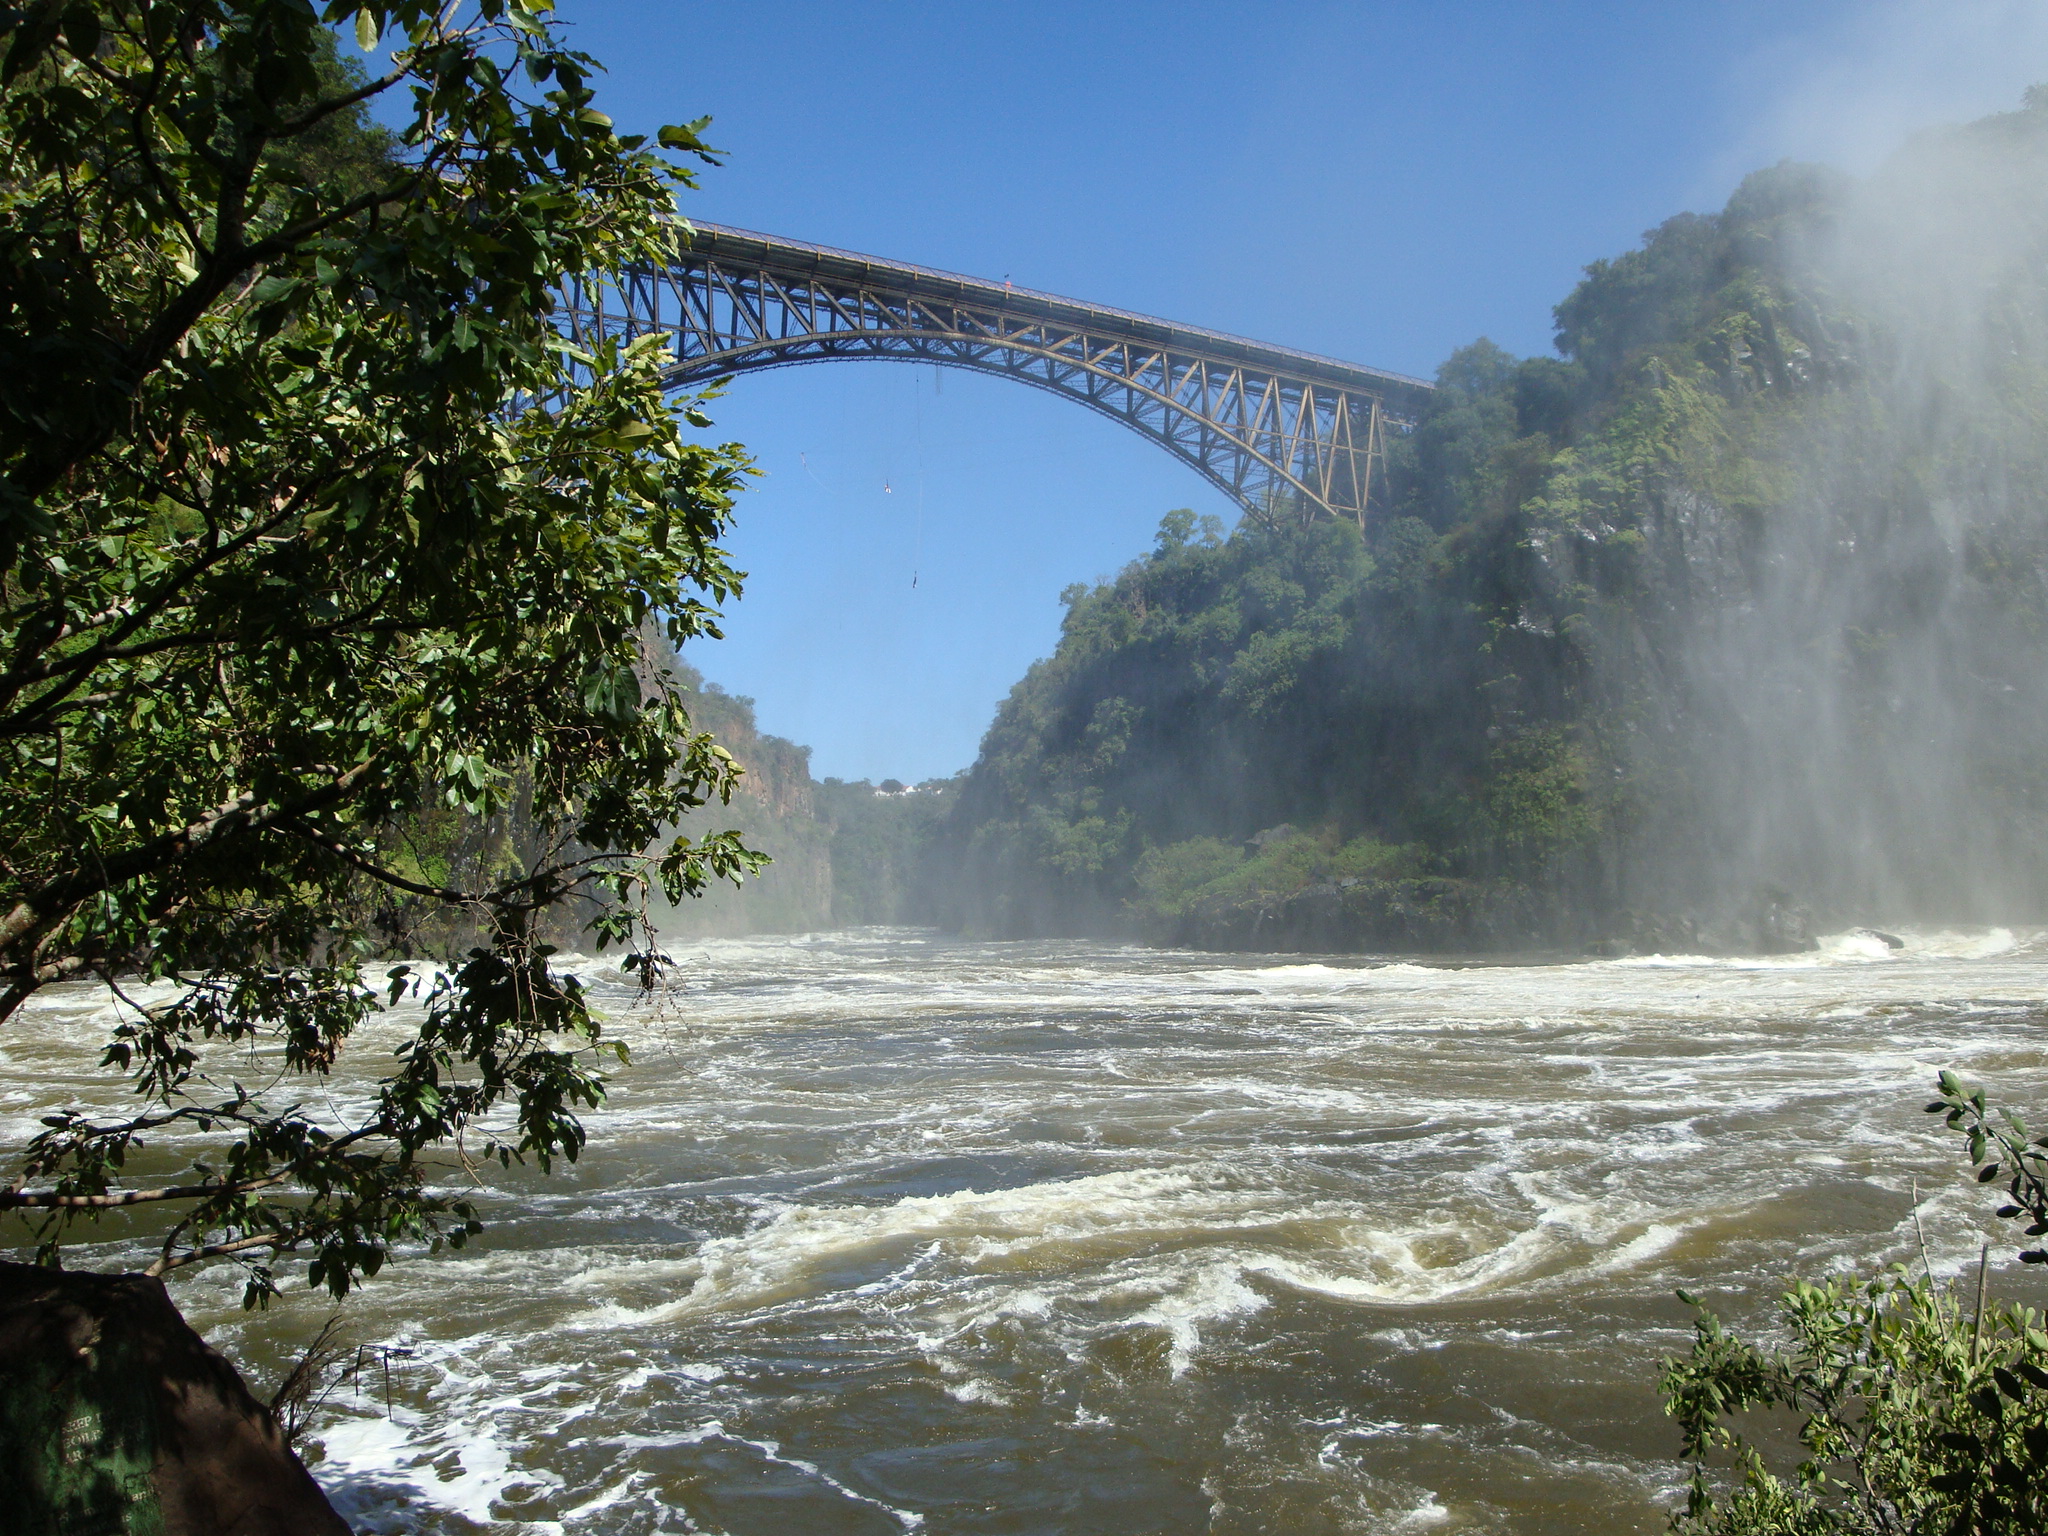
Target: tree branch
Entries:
(45, 1200)
(137, 614)
(223, 266)
(27, 723)
(277, 1240)
(301, 828)
(499, 900)
(326, 109)
(236, 818)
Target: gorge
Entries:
(1719, 630)
(1385, 960)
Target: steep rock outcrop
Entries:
(116, 1419)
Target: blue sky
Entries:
(1376, 181)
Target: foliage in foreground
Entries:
(289, 557)
(1914, 1415)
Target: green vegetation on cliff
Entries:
(1300, 685)
(1732, 610)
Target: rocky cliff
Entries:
(1727, 622)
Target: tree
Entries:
(313, 525)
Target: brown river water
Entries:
(883, 1232)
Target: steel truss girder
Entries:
(1285, 434)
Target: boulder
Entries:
(116, 1419)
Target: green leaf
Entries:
(413, 595)
(82, 30)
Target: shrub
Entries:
(1915, 1416)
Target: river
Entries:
(886, 1232)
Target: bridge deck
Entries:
(1403, 395)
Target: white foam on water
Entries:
(621, 1492)
(1289, 1146)
(1217, 1293)
(1389, 1268)
(1856, 946)
(464, 1453)
(1177, 1250)
(1423, 1516)
(977, 1390)
(771, 1451)
(1967, 944)
(383, 1469)
(1803, 961)
(790, 1255)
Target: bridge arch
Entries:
(1281, 432)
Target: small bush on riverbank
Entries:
(1915, 1415)
(1208, 873)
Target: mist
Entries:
(1722, 629)
(1851, 705)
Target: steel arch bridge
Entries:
(1285, 434)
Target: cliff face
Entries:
(1797, 543)
(1726, 622)
(775, 811)
(842, 854)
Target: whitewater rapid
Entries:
(884, 1232)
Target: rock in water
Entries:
(117, 1420)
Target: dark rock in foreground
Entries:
(117, 1420)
